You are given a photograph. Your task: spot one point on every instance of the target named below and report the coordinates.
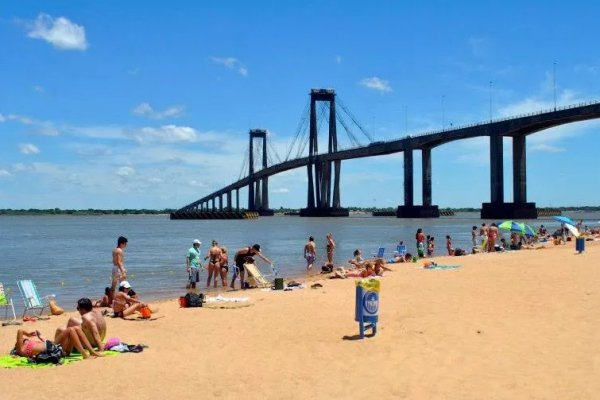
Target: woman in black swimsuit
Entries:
(224, 266)
(214, 255)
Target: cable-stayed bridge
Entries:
(324, 167)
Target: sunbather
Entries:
(32, 344)
(358, 261)
(105, 300)
(125, 305)
(92, 323)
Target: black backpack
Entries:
(194, 300)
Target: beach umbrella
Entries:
(564, 220)
(512, 226)
(527, 230)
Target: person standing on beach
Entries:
(449, 247)
(492, 236)
(214, 257)
(241, 257)
(310, 253)
(420, 238)
(119, 273)
(224, 266)
(474, 236)
(192, 264)
(483, 233)
(330, 246)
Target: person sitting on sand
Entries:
(125, 305)
(379, 267)
(342, 273)
(358, 261)
(92, 323)
(105, 300)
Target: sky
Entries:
(148, 104)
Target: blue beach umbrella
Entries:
(512, 226)
(564, 220)
(527, 230)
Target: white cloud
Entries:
(281, 190)
(546, 148)
(59, 32)
(165, 134)
(231, 63)
(28, 148)
(146, 110)
(195, 183)
(125, 171)
(18, 118)
(39, 88)
(376, 83)
(3, 173)
(338, 59)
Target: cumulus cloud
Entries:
(376, 83)
(59, 32)
(125, 171)
(231, 63)
(146, 110)
(3, 173)
(28, 148)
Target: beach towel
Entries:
(438, 266)
(14, 362)
(221, 299)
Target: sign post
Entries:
(367, 305)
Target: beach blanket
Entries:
(438, 266)
(221, 299)
(14, 362)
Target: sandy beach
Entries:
(515, 325)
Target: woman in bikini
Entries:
(32, 344)
(330, 248)
(224, 266)
(123, 304)
(214, 255)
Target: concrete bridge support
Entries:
(497, 208)
(258, 190)
(409, 209)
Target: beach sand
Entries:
(517, 325)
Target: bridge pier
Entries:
(409, 209)
(258, 190)
(519, 208)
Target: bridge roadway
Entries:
(508, 127)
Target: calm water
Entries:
(71, 256)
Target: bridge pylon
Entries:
(409, 209)
(323, 195)
(258, 189)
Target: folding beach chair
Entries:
(401, 250)
(31, 296)
(6, 303)
(255, 274)
(379, 253)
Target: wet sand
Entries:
(517, 325)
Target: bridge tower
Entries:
(258, 190)
(321, 202)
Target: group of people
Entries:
(218, 264)
(310, 252)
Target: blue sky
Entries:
(147, 104)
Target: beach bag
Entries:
(55, 309)
(194, 300)
(146, 312)
(53, 354)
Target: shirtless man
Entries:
(92, 323)
(214, 258)
(240, 258)
(119, 273)
(310, 253)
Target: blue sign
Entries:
(371, 303)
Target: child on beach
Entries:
(430, 246)
(420, 238)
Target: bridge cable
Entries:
(349, 132)
(349, 114)
(301, 123)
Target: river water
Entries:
(70, 256)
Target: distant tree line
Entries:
(145, 211)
